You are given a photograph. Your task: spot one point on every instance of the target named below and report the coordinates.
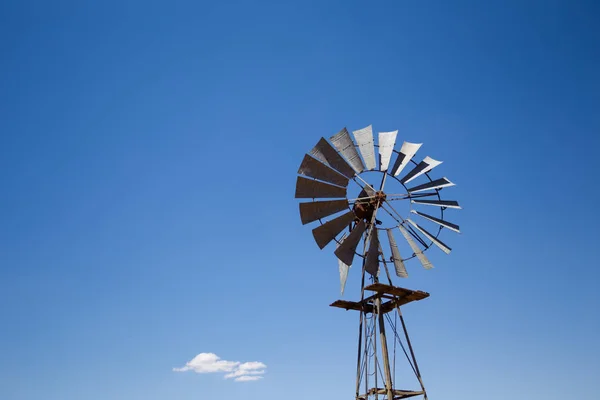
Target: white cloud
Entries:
(247, 378)
(248, 368)
(205, 363)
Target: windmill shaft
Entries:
(384, 351)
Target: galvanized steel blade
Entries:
(415, 248)
(387, 140)
(315, 169)
(311, 189)
(396, 258)
(364, 140)
(343, 142)
(438, 203)
(431, 237)
(325, 153)
(315, 210)
(437, 184)
(330, 229)
(372, 259)
(445, 224)
(346, 251)
(407, 152)
(424, 166)
(343, 272)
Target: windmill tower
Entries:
(363, 218)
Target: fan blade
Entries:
(315, 210)
(346, 251)
(396, 258)
(372, 259)
(325, 153)
(343, 142)
(446, 224)
(415, 248)
(431, 237)
(315, 169)
(387, 140)
(343, 271)
(330, 229)
(424, 166)
(364, 139)
(437, 184)
(407, 152)
(310, 189)
(438, 203)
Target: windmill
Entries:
(351, 202)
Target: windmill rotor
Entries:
(348, 204)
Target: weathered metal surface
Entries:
(315, 169)
(438, 203)
(397, 291)
(446, 224)
(407, 152)
(343, 271)
(364, 140)
(415, 248)
(352, 305)
(401, 297)
(325, 153)
(310, 189)
(346, 251)
(424, 166)
(431, 237)
(330, 229)
(396, 257)
(315, 210)
(397, 394)
(344, 144)
(387, 140)
(436, 184)
(372, 259)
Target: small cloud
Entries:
(205, 363)
(208, 363)
(248, 378)
(248, 368)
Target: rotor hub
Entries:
(380, 197)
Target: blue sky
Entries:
(148, 156)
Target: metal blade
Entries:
(437, 184)
(438, 203)
(446, 224)
(415, 248)
(315, 210)
(345, 145)
(431, 237)
(310, 189)
(372, 260)
(364, 139)
(315, 169)
(346, 251)
(325, 153)
(343, 272)
(424, 166)
(330, 229)
(407, 152)
(396, 258)
(387, 140)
